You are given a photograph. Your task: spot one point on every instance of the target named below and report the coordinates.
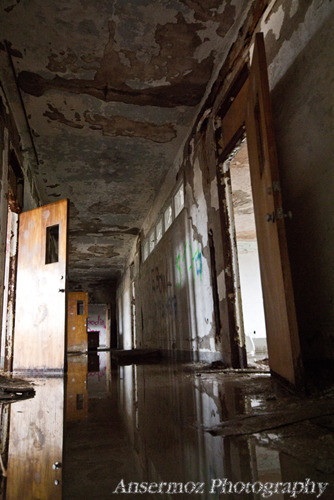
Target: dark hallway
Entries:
(166, 243)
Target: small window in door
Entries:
(52, 244)
(80, 308)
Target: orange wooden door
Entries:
(77, 314)
(39, 339)
(281, 324)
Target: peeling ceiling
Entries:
(111, 89)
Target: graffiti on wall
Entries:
(162, 286)
(195, 264)
(160, 282)
(96, 324)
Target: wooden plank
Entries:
(77, 323)
(281, 324)
(39, 339)
(232, 125)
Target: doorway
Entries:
(250, 318)
(246, 109)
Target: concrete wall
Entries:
(173, 287)
(176, 312)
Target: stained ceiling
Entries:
(110, 90)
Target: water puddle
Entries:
(106, 431)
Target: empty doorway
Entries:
(250, 316)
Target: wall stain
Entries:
(173, 77)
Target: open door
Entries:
(281, 324)
(77, 314)
(39, 339)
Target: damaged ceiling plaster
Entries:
(111, 89)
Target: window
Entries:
(152, 240)
(179, 200)
(158, 231)
(168, 216)
(145, 250)
(172, 210)
(52, 244)
(80, 308)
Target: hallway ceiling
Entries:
(111, 89)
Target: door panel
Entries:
(39, 340)
(77, 314)
(281, 324)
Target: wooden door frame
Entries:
(231, 120)
(15, 191)
(230, 129)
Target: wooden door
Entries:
(39, 339)
(35, 452)
(77, 314)
(281, 324)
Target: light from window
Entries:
(152, 240)
(179, 200)
(145, 250)
(168, 216)
(159, 230)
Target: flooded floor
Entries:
(165, 431)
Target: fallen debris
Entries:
(13, 389)
(243, 425)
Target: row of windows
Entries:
(172, 210)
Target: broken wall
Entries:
(173, 287)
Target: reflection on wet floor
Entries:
(160, 423)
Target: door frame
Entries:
(231, 120)
(230, 129)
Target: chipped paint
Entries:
(110, 107)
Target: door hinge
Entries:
(283, 215)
